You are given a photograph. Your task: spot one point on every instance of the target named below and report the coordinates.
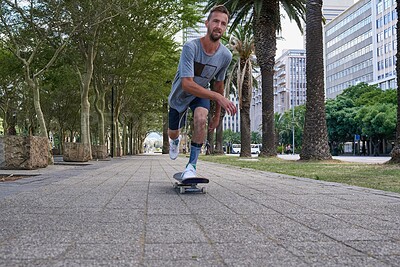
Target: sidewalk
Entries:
(124, 212)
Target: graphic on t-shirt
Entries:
(204, 70)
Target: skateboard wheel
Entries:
(182, 190)
(204, 190)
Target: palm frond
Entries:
(295, 10)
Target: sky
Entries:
(292, 38)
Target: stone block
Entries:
(99, 151)
(76, 152)
(25, 152)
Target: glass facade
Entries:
(360, 46)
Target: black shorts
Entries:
(176, 120)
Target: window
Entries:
(379, 8)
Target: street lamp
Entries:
(292, 102)
(293, 129)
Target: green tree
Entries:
(340, 119)
(61, 100)
(378, 122)
(231, 137)
(287, 122)
(256, 138)
(395, 154)
(360, 110)
(31, 30)
(265, 18)
(11, 89)
(315, 137)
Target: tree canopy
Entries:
(363, 110)
(63, 48)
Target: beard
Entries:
(214, 36)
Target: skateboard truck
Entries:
(190, 184)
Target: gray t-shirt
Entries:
(194, 62)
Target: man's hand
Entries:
(228, 105)
(213, 123)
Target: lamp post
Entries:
(293, 101)
(293, 129)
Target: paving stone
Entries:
(180, 251)
(320, 249)
(356, 261)
(376, 248)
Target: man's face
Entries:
(216, 26)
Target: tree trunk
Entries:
(315, 138)
(265, 49)
(245, 111)
(36, 102)
(86, 79)
(99, 106)
(124, 139)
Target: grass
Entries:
(377, 176)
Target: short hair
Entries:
(219, 8)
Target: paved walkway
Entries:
(124, 212)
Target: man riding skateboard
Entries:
(202, 60)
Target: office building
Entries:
(290, 71)
(333, 8)
(232, 122)
(256, 104)
(360, 46)
(349, 49)
(290, 80)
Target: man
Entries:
(202, 60)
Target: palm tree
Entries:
(241, 42)
(315, 139)
(395, 153)
(265, 18)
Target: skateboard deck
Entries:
(190, 184)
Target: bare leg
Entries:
(173, 134)
(200, 121)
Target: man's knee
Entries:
(200, 117)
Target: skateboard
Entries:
(190, 184)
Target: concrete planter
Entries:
(76, 152)
(25, 152)
(99, 151)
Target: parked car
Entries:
(255, 148)
(236, 148)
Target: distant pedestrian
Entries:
(208, 152)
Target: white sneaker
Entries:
(190, 172)
(174, 148)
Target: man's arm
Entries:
(219, 88)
